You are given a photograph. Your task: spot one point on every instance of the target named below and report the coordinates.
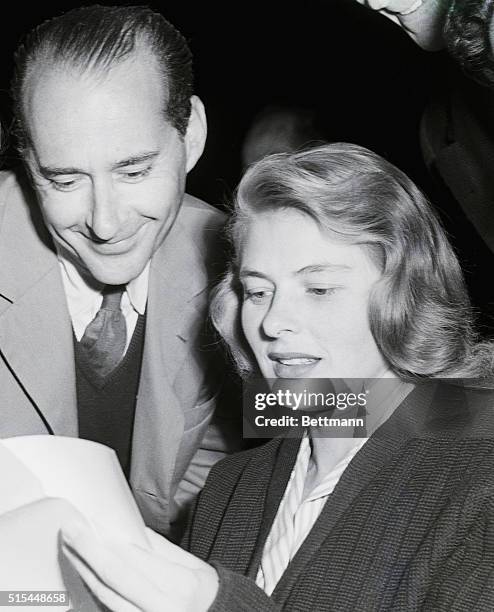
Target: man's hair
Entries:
(467, 36)
(279, 129)
(98, 38)
(419, 310)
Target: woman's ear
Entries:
(195, 137)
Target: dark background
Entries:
(364, 78)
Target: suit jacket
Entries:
(457, 139)
(177, 390)
(408, 527)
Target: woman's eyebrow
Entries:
(323, 267)
(247, 272)
(320, 267)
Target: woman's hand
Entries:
(125, 577)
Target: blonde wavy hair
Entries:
(419, 310)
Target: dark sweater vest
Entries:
(106, 406)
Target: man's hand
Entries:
(423, 21)
(125, 577)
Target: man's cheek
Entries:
(60, 217)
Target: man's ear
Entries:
(195, 137)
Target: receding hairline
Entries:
(48, 60)
(67, 67)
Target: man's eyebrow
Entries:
(136, 159)
(140, 158)
(323, 267)
(49, 171)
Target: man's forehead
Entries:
(57, 79)
(86, 121)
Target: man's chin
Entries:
(108, 269)
(114, 272)
(115, 277)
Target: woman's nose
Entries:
(282, 316)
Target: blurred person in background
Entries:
(457, 130)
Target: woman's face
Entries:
(306, 295)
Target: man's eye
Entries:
(66, 185)
(136, 175)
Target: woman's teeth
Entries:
(298, 361)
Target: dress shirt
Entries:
(84, 298)
(301, 506)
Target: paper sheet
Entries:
(84, 473)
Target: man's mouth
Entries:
(116, 247)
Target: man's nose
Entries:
(103, 218)
(282, 316)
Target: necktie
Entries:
(103, 342)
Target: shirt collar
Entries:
(82, 290)
(385, 395)
(137, 290)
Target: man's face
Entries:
(109, 169)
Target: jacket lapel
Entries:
(285, 462)
(406, 422)
(472, 150)
(241, 523)
(175, 293)
(35, 328)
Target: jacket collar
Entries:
(35, 328)
(176, 311)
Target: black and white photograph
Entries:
(246, 306)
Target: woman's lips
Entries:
(293, 365)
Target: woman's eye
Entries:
(321, 291)
(257, 296)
